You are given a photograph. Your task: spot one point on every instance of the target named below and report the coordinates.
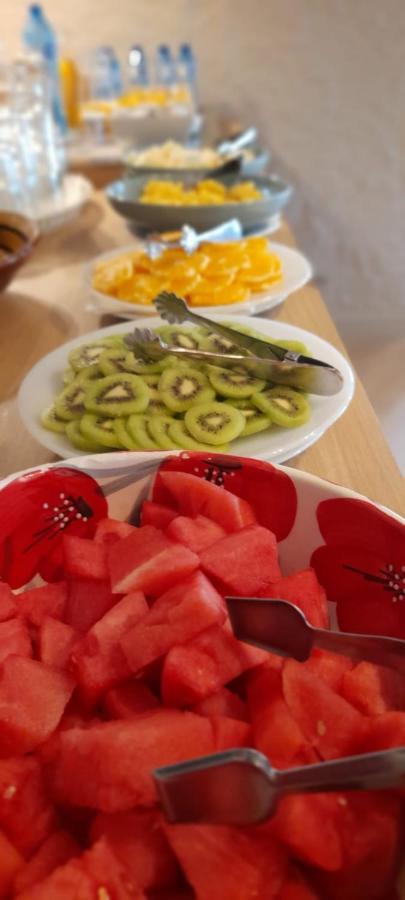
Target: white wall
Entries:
(325, 80)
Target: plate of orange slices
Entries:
(250, 276)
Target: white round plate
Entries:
(297, 271)
(44, 381)
(64, 205)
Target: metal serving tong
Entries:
(189, 239)
(229, 146)
(280, 627)
(262, 359)
(240, 787)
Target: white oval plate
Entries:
(297, 271)
(279, 444)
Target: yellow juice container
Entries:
(69, 82)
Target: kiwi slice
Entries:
(254, 420)
(234, 382)
(180, 337)
(70, 403)
(68, 375)
(116, 359)
(182, 438)
(123, 435)
(138, 430)
(79, 440)
(50, 420)
(116, 395)
(214, 343)
(158, 428)
(155, 405)
(152, 380)
(182, 386)
(89, 373)
(89, 354)
(214, 423)
(284, 406)
(148, 368)
(296, 346)
(100, 431)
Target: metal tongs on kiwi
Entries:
(240, 787)
(260, 358)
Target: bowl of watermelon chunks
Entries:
(117, 657)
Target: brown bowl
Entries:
(17, 238)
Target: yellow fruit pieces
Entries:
(207, 192)
(215, 275)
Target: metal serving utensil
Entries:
(232, 145)
(281, 627)
(240, 787)
(189, 239)
(314, 379)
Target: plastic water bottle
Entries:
(137, 66)
(186, 68)
(105, 78)
(42, 151)
(115, 73)
(165, 68)
(39, 37)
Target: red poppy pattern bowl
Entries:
(356, 547)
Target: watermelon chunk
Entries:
(332, 725)
(296, 887)
(26, 815)
(54, 852)
(201, 667)
(84, 558)
(32, 700)
(110, 530)
(243, 562)
(139, 842)
(56, 642)
(385, 731)
(302, 589)
(11, 862)
(8, 605)
(48, 600)
(193, 496)
(146, 560)
(370, 829)
(96, 875)
(197, 534)
(98, 660)
(108, 766)
(308, 826)
(223, 863)
(14, 639)
(179, 614)
(223, 703)
(130, 699)
(87, 602)
(374, 689)
(229, 733)
(156, 514)
(330, 667)
(276, 732)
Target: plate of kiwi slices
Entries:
(92, 395)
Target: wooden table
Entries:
(46, 306)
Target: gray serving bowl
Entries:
(123, 196)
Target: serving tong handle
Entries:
(175, 310)
(281, 627)
(240, 787)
